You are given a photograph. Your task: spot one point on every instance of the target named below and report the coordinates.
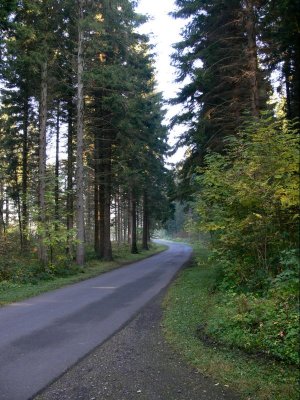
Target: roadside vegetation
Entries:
(244, 341)
(235, 313)
(21, 277)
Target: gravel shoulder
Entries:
(135, 363)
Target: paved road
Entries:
(125, 367)
(42, 337)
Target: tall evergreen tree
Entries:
(80, 150)
(279, 29)
(218, 59)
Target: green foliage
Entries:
(25, 277)
(57, 238)
(248, 201)
(258, 325)
(25, 268)
(219, 333)
(123, 117)
(279, 26)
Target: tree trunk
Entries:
(297, 80)
(97, 236)
(42, 162)
(145, 221)
(115, 220)
(79, 155)
(70, 199)
(2, 221)
(107, 204)
(96, 213)
(252, 55)
(56, 188)
(134, 249)
(89, 209)
(101, 217)
(18, 206)
(125, 221)
(7, 216)
(119, 216)
(129, 219)
(101, 161)
(25, 176)
(122, 221)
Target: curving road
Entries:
(42, 337)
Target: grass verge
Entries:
(189, 304)
(11, 292)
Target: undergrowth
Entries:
(22, 277)
(245, 341)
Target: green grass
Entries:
(11, 292)
(189, 305)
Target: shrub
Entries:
(258, 325)
(248, 200)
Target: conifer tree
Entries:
(79, 157)
(280, 37)
(218, 57)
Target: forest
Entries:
(83, 145)
(82, 134)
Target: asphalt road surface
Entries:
(137, 363)
(42, 337)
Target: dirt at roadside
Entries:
(136, 364)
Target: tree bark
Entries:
(43, 257)
(19, 212)
(101, 217)
(7, 213)
(129, 219)
(101, 162)
(96, 198)
(70, 197)
(89, 208)
(2, 221)
(119, 217)
(25, 175)
(107, 203)
(297, 80)
(79, 155)
(96, 217)
(134, 249)
(56, 188)
(250, 20)
(145, 221)
(125, 221)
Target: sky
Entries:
(165, 31)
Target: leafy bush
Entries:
(6, 269)
(27, 269)
(197, 316)
(258, 325)
(248, 200)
